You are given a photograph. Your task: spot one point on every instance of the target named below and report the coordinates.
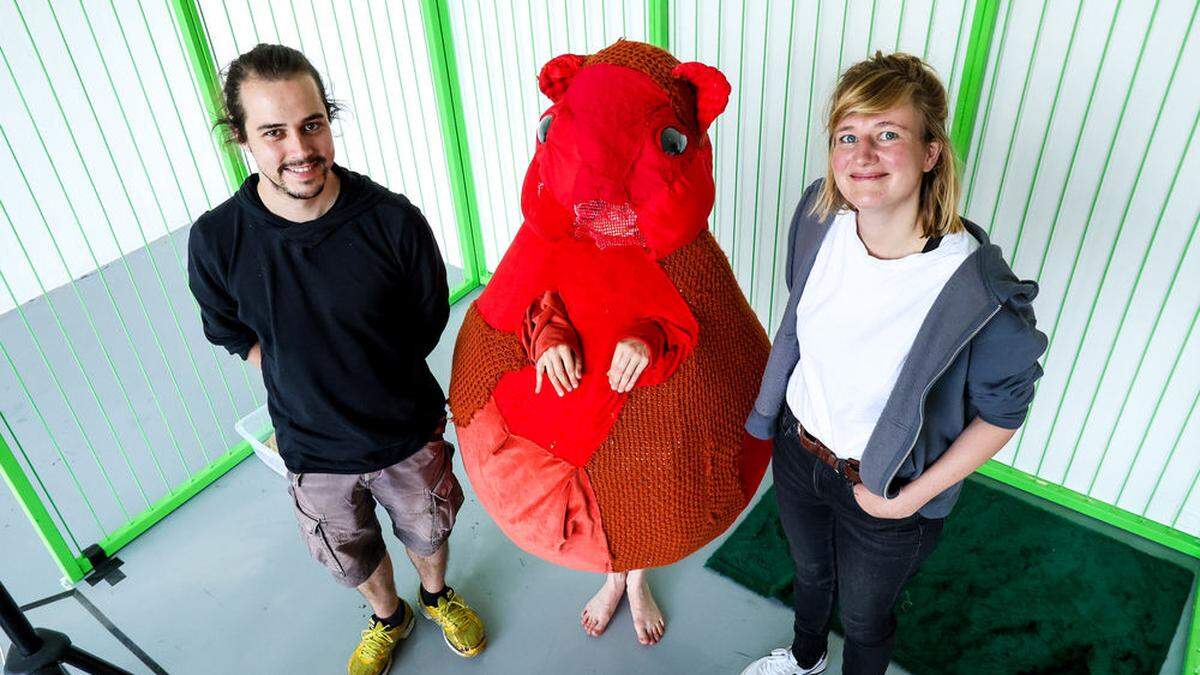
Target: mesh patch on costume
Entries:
(608, 224)
(482, 356)
(667, 476)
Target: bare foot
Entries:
(647, 619)
(596, 614)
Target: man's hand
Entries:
(629, 359)
(254, 356)
(562, 366)
(901, 506)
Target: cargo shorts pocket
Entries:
(445, 498)
(312, 529)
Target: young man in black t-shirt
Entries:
(334, 286)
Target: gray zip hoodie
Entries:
(975, 354)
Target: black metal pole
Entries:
(38, 651)
(16, 626)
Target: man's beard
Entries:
(281, 187)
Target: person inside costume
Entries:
(601, 380)
(906, 358)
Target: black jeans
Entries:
(842, 552)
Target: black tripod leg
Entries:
(89, 663)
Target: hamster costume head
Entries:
(614, 246)
(623, 152)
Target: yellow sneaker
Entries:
(373, 656)
(461, 626)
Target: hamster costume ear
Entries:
(712, 90)
(557, 74)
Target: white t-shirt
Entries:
(856, 322)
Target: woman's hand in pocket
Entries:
(893, 509)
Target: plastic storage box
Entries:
(256, 428)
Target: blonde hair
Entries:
(881, 83)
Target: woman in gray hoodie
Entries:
(906, 358)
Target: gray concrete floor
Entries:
(225, 585)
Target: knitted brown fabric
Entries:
(482, 356)
(667, 476)
(656, 63)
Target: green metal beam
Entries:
(659, 13)
(962, 129)
(31, 503)
(204, 64)
(1096, 508)
(440, 41)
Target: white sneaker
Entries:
(782, 662)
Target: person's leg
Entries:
(875, 558)
(599, 610)
(431, 569)
(422, 496)
(807, 520)
(648, 621)
(380, 589)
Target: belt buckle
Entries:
(840, 468)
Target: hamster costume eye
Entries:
(543, 127)
(672, 141)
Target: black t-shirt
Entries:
(345, 309)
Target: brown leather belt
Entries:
(846, 468)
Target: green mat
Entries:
(1011, 588)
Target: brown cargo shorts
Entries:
(336, 512)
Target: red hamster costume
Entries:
(614, 245)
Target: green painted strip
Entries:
(718, 138)
(275, 23)
(377, 141)
(762, 109)
(962, 22)
(35, 510)
(783, 134)
(987, 109)
(842, 37)
(362, 137)
(1012, 139)
(1161, 395)
(511, 189)
(737, 143)
(1196, 476)
(506, 197)
(1100, 510)
(658, 13)
(1112, 250)
(1001, 51)
(899, 25)
(983, 27)
(929, 31)
(871, 27)
(439, 40)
